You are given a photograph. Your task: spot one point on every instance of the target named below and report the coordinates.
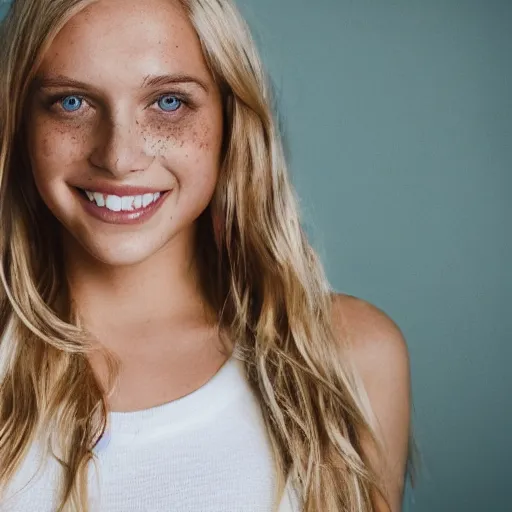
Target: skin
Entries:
(139, 282)
(379, 353)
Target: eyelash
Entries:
(52, 101)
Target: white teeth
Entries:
(127, 203)
(114, 203)
(124, 203)
(100, 200)
(147, 199)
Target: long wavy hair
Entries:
(259, 274)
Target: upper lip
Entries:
(122, 190)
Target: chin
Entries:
(116, 258)
(117, 252)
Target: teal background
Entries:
(398, 121)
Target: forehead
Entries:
(126, 40)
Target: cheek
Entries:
(53, 151)
(191, 149)
(52, 148)
(198, 132)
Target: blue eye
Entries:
(71, 103)
(169, 103)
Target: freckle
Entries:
(158, 127)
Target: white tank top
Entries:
(206, 452)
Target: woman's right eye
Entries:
(71, 103)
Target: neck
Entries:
(163, 289)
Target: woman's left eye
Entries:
(169, 103)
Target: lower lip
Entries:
(122, 217)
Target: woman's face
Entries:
(124, 128)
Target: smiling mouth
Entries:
(118, 203)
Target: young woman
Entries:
(168, 339)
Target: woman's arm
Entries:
(381, 358)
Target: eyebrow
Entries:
(48, 81)
(157, 80)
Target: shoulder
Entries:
(378, 351)
(372, 337)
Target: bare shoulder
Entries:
(379, 353)
(373, 337)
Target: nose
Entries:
(120, 149)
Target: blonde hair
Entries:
(259, 274)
